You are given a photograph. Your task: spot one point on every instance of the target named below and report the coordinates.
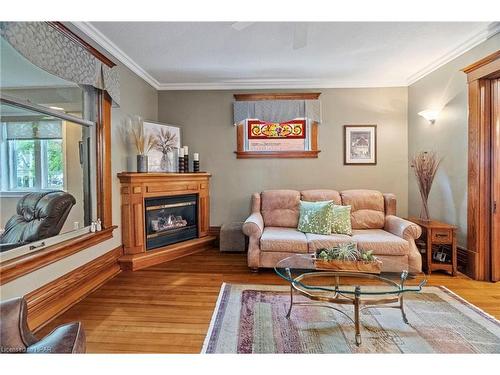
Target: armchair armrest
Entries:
(254, 225)
(402, 228)
(15, 335)
(69, 338)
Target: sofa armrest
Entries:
(254, 225)
(402, 228)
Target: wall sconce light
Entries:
(430, 115)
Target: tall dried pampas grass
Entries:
(133, 132)
(425, 165)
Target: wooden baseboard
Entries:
(214, 231)
(54, 298)
(466, 260)
(133, 262)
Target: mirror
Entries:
(47, 157)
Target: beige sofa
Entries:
(273, 234)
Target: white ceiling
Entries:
(216, 55)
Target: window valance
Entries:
(36, 130)
(277, 110)
(51, 50)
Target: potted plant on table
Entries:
(347, 257)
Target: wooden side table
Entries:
(434, 235)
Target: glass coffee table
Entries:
(325, 288)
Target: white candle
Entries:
(181, 152)
(186, 152)
(196, 156)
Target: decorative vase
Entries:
(142, 163)
(424, 210)
(168, 162)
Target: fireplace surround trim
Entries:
(134, 190)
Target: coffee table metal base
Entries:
(343, 299)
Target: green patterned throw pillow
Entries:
(316, 217)
(341, 221)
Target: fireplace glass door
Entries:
(170, 220)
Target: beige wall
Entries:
(137, 97)
(205, 118)
(445, 88)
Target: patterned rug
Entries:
(251, 319)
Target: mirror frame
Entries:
(16, 267)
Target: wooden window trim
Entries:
(82, 43)
(20, 266)
(277, 96)
(241, 153)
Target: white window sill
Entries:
(21, 193)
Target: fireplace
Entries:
(170, 220)
(149, 236)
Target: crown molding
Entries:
(93, 33)
(113, 49)
(263, 84)
(492, 29)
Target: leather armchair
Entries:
(16, 337)
(39, 215)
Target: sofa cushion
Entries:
(367, 208)
(280, 208)
(321, 195)
(279, 239)
(380, 242)
(316, 217)
(316, 242)
(341, 221)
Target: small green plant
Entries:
(346, 252)
(367, 256)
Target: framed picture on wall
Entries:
(163, 156)
(360, 144)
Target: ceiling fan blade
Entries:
(299, 36)
(241, 25)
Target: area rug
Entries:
(251, 319)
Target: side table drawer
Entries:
(442, 236)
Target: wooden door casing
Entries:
(495, 179)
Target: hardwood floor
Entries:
(167, 308)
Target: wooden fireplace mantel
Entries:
(135, 188)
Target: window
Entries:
(34, 156)
(277, 125)
(274, 136)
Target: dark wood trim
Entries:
(277, 154)
(104, 183)
(278, 96)
(133, 262)
(478, 196)
(345, 146)
(59, 26)
(214, 231)
(480, 151)
(14, 268)
(51, 300)
(463, 260)
(483, 68)
(495, 181)
(17, 267)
